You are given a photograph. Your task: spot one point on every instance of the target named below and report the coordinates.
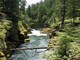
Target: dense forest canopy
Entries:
(60, 19)
(49, 10)
(42, 13)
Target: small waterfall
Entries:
(36, 40)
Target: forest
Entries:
(60, 19)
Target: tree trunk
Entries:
(64, 8)
(73, 14)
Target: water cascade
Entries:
(36, 40)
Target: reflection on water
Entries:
(35, 54)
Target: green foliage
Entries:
(21, 27)
(11, 8)
(68, 42)
(4, 26)
(22, 5)
(64, 46)
(49, 12)
(53, 9)
(73, 31)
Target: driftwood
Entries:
(31, 48)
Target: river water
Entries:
(35, 54)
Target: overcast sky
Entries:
(32, 1)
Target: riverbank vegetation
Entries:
(60, 19)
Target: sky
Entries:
(30, 2)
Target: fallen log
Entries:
(31, 48)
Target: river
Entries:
(35, 54)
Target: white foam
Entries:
(37, 33)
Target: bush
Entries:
(64, 46)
